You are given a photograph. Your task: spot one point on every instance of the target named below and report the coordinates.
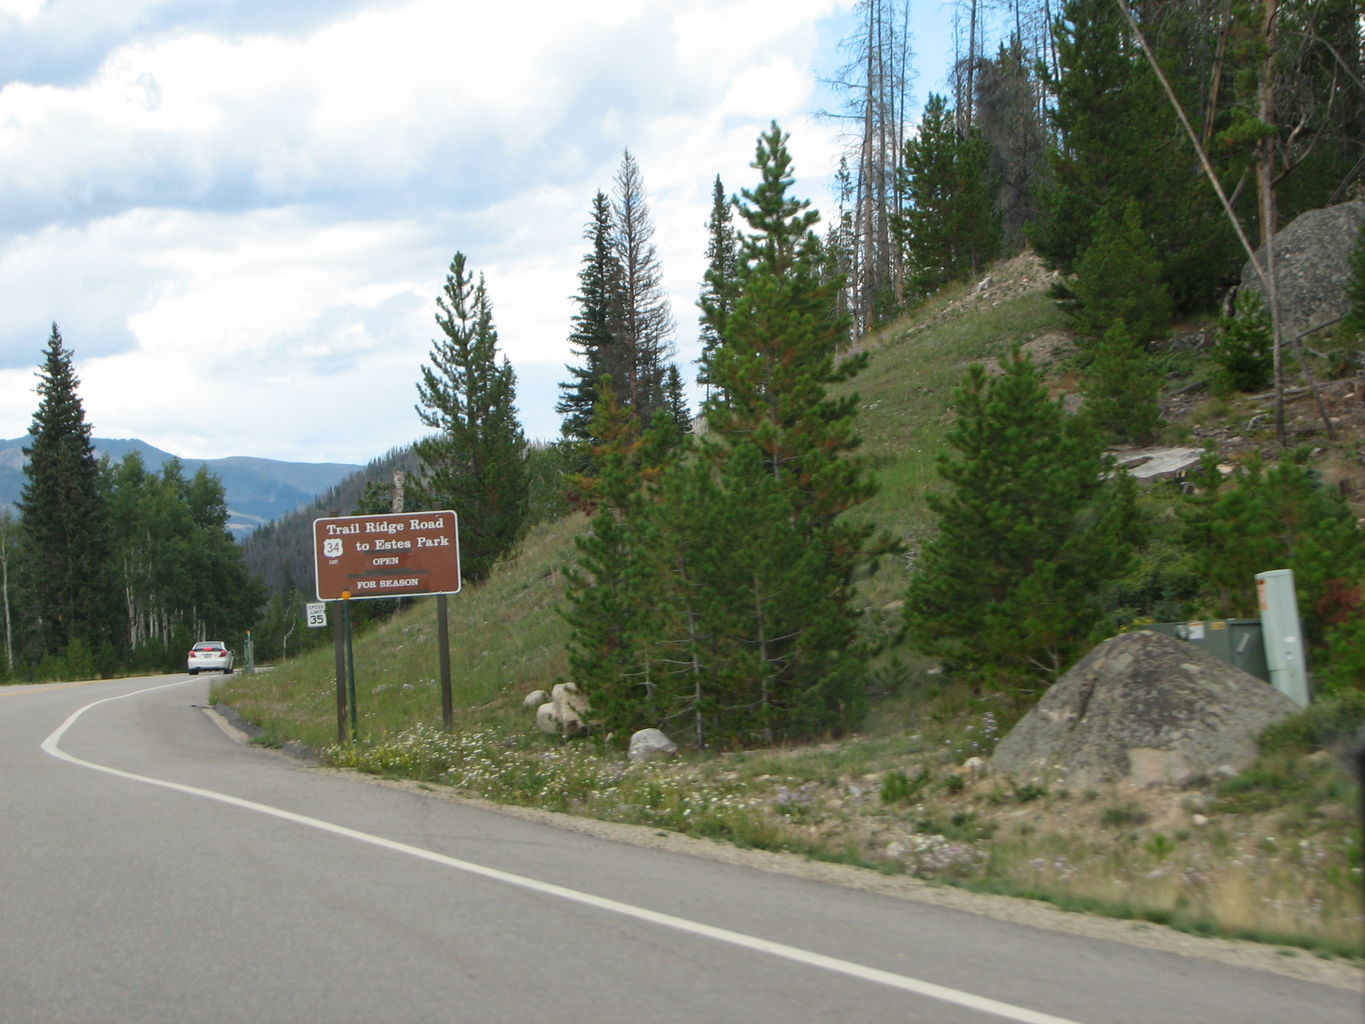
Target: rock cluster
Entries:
(565, 713)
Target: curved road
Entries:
(152, 870)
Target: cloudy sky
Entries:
(240, 212)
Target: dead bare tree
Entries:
(876, 80)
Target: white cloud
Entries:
(21, 10)
(242, 232)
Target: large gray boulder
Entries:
(1313, 266)
(1145, 707)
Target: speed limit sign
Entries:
(317, 613)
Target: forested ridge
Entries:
(1138, 149)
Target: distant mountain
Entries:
(258, 490)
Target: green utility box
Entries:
(1236, 641)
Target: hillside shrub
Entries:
(1332, 723)
(1121, 388)
(1243, 355)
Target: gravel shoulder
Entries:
(1289, 963)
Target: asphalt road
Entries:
(153, 870)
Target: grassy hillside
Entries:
(1273, 854)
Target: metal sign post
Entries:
(443, 642)
(339, 652)
(350, 662)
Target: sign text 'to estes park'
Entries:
(406, 554)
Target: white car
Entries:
(210, 656)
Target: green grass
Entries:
(506, 640)
(905, 397)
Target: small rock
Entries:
(651, 745)
(1199, 821)
(546, 720)
(535, 699)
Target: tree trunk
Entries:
(1265, 193)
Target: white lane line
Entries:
(957, 997)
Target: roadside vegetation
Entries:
(1272, 854)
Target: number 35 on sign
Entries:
(317, 613)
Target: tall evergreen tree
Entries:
(644, 328)
(476, 462)
(779, 360)
(715, 588)
(595, 325)
(64, 519)
(950, 227)
(773, 416)
(1118, 141)
(675, 408)
(1104, 123)
(1007, 589)
(718, 291)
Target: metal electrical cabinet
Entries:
(1239, 642)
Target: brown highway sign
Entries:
(401, 555)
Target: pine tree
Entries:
(718, 292)
(611, 605)
(643, 342)
(595, 326)
(773, 418)
(1275, 517)
(950, 227)
(1244, 352)
(1098, 123)
(1118, 141)
(715, 587)
(1029, 530)
(64, 519)
(675, 408)
(476, 462)
(778, 363)
(1121, 388)
(1118, 279)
